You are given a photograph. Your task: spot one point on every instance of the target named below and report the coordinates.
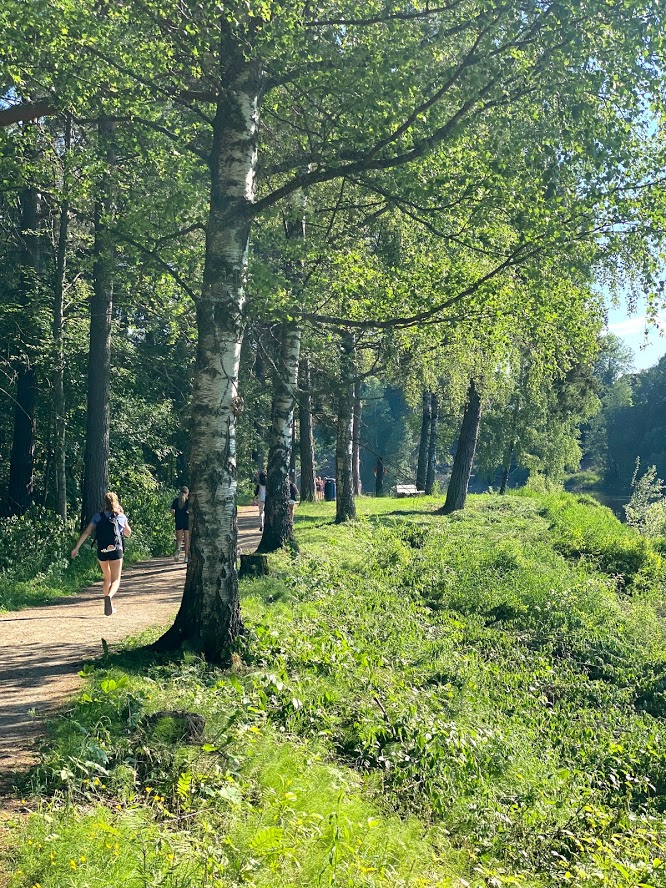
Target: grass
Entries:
(471, 700)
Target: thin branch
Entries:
(162, 263)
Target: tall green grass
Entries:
(471, 700)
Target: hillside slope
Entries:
(420, 700)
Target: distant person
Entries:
(293, 497)
(379, 471)
(260, 497)
(319, 487)
(180, 510)
(110, 526)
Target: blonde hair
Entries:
(184, 493)
(111, 503)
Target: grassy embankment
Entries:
(473, 700)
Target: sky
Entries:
(647, 348)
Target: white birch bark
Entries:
(277, 527)
(209, 618)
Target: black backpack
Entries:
(108, 534)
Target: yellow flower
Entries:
(72, 864)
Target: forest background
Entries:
(393, 220)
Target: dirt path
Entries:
(42, 649)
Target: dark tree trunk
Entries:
(258, 413)
(294, 447)
(380, 471)
(464, 458)
(59, 446)
(22, 465)
(308, 492)
(506, 468)
(345, 506)
(209, 618)
(22, 459)
(96, 457)
(277, 526)
(432, 445)
(422, 467)
(356, 438)
(508, 455)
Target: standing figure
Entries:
(260, 497)
(180, 510)
(379, 471)
(293, 496)
(110, 526)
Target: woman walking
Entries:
(110, 526)
(180, 510)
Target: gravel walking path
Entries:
(42, 649)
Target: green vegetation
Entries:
(419, 700)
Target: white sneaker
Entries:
(186, 560)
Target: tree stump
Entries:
(253, 566)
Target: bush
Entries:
(583, 528)
(147, 504)
(32, 543)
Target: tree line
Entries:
(298, 198)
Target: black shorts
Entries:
(182, 525)
(115, 555)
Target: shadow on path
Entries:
(42, 649)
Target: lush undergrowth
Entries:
(35, 564)
(472, 700)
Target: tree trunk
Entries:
(508, 458)
(22, 459)
(59, 449)
(308, 491)
(356, 438)
(277, 526)
(294, 443)
(209, 617)
(422, 467)
(432, 445)
(464, 458)
(380, 471)
(345, 506)
(508, 455)
(22, 464)
(96, 456)
(258, 417)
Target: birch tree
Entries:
(488, 125)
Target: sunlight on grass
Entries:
(420, 700)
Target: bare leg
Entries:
(106, 576)
(262, 506)
(186, 537)
(179, 543)
(116, 568)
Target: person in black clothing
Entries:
(179, 509)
